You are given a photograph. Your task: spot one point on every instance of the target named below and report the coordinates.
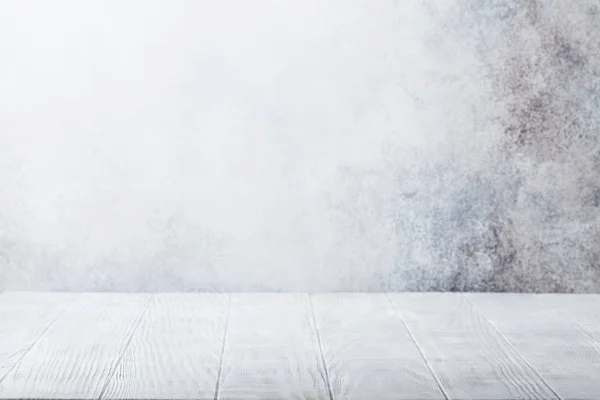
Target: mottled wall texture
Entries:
(319, 145)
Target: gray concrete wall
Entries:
(304, 145)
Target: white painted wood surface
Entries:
(471, 359)
(581, 309)
(555, 345)
(23, 319)
(368, 352)
(296, 346)
(175, 351)
(78, 353)
(272, 349)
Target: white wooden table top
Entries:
(298, 346)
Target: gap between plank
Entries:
(129, 340)
(312, 312)
(61, 312)
(435, 377)
(220, 370)
(474, 307)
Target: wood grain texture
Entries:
(471, 360)
(581, 309)
(24, 318)
(562, 353)
(271, 349)
(176, 351)
(78, 353)
(273, 346)
(368, 351)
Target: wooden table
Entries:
(364, 346)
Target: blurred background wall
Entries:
(300, 145)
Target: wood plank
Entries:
(562, 353)
(582, 309)
(176, 351)
(24, 317)
(79, 352)
(368, 351)
(271, 349)
(59, 345)
(471, 359)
